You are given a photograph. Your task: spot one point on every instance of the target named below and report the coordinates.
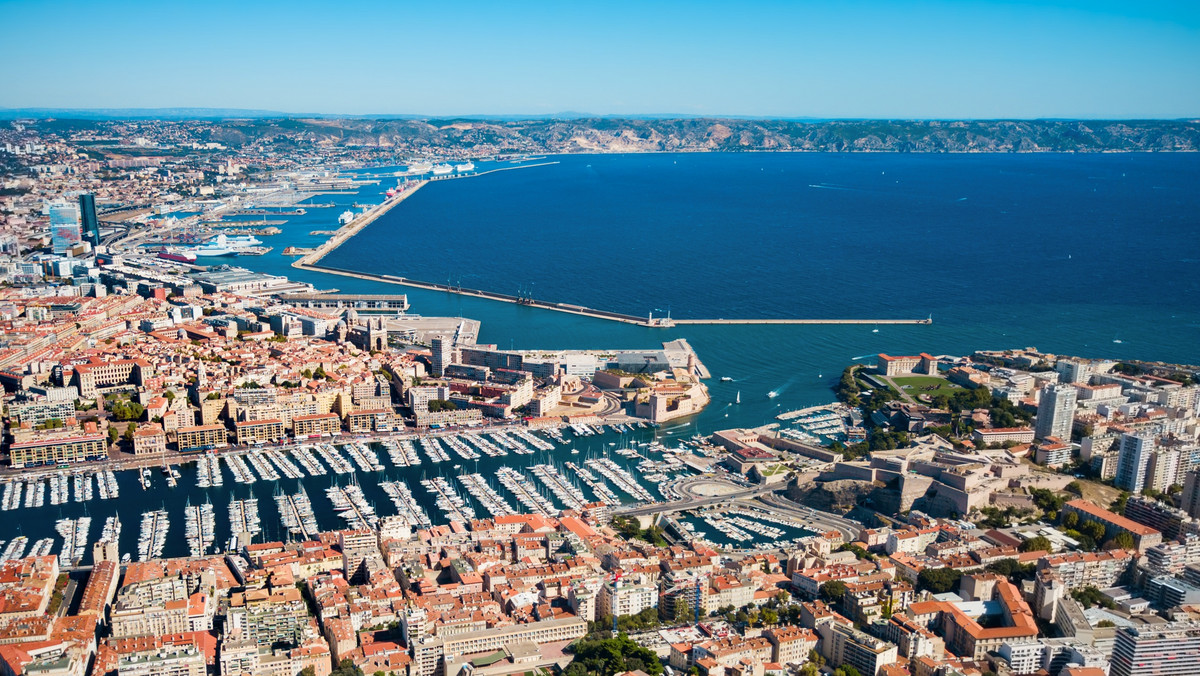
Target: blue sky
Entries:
(894, 59)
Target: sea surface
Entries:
(1091, 255)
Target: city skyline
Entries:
(982, 60)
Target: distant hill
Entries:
(654, 134)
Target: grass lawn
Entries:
(917, 385)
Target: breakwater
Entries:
(569, 308)
(928, 320)
(353, 227)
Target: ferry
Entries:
(177, 255)
(224, 245)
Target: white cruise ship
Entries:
(442, 169)
(420, 167)
(464, 167)
(223, 245)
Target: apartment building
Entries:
(1165, 650)
(62, 450)
(316, 425)
(1144, 537)
(201, 438)
(1088, 569)
(258, 431)
(841, 643)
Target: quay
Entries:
(240, 224)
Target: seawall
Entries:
(344, 233)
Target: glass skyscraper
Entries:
(64, 226)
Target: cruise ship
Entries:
(420, 167)
(223, 245)
(442, 169)
(464, 167)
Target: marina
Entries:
(244, 523)
(406, 505)
(200, 528)
(526, 493)
(153, 537)
(479, 489)
(578, 465)
(296, 514)
(452, 505)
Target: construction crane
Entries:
(698, 597)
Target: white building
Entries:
(1056, 412)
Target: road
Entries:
(847, 527)
(694, 502)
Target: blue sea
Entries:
(1092, 255)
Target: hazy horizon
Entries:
(904, 60)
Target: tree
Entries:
(846, 670)
(347, 667)
(1118, 505)
(1037, 544)
(682, 612)
(939, 580)
(768, 617)
(129, 430)
(1093, 529)
(610, 656)
(1012, 569)
(1070, 520)
(833, 591)
(1090, 596)
(1122, 540)
(112, 434)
